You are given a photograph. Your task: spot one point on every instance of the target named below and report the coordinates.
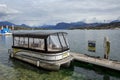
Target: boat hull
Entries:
(44, 56)
(46, 64)
(1, 34)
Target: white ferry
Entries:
(46, 50)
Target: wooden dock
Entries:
(115, 65)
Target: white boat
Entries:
(46, 50)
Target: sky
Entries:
(50, 12)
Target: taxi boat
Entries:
(43, 49)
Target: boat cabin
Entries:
(46, 50)
(41, 42)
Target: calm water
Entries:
(78, 40)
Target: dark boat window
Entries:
(21, 41)
(25, 42)
(16, 41)
(33, 43)
(36, 43)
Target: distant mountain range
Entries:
(16, 27)
(63, 25)
(81, 25)
(4, 23)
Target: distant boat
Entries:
(5, 31)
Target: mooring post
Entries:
(106, 47)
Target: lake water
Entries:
(78, 40)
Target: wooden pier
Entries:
(97, 61)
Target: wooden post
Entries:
(106, 47)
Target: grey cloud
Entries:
(5, 11)
(53, 11)
(2, 15)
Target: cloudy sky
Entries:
(41, 12)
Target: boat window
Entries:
(16, 41)
(21, 41)
(25, 42)
(36, 43)
(63, 41)
(66, 38)
(53, 43)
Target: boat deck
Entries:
(115, 65)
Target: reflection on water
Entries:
(89, 74)
(16, 70)
(3, 39)
(106, 77)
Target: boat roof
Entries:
(36, 34)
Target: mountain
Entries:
(115, 21)
(72, 25)
(64, 25)
(4, 23)
(61, 25)
(16, 27)
(77, 24)
(111, 25)
(46, 26)
(82, 25)
(23, 25)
